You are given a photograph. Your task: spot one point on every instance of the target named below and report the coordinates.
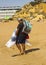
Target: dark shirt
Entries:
(20, 28)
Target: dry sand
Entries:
(36, 54)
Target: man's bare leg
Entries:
(23, 48)
(19, 47)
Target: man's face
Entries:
(19, 21)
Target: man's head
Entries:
(20, 20)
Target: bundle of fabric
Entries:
(12, 40)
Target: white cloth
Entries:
(10, 42)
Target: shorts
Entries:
(21, 38)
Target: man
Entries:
(21, 37)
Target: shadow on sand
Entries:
(27, 51)
(31, 50)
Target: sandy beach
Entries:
(36, 54)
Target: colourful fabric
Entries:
(27, 26)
